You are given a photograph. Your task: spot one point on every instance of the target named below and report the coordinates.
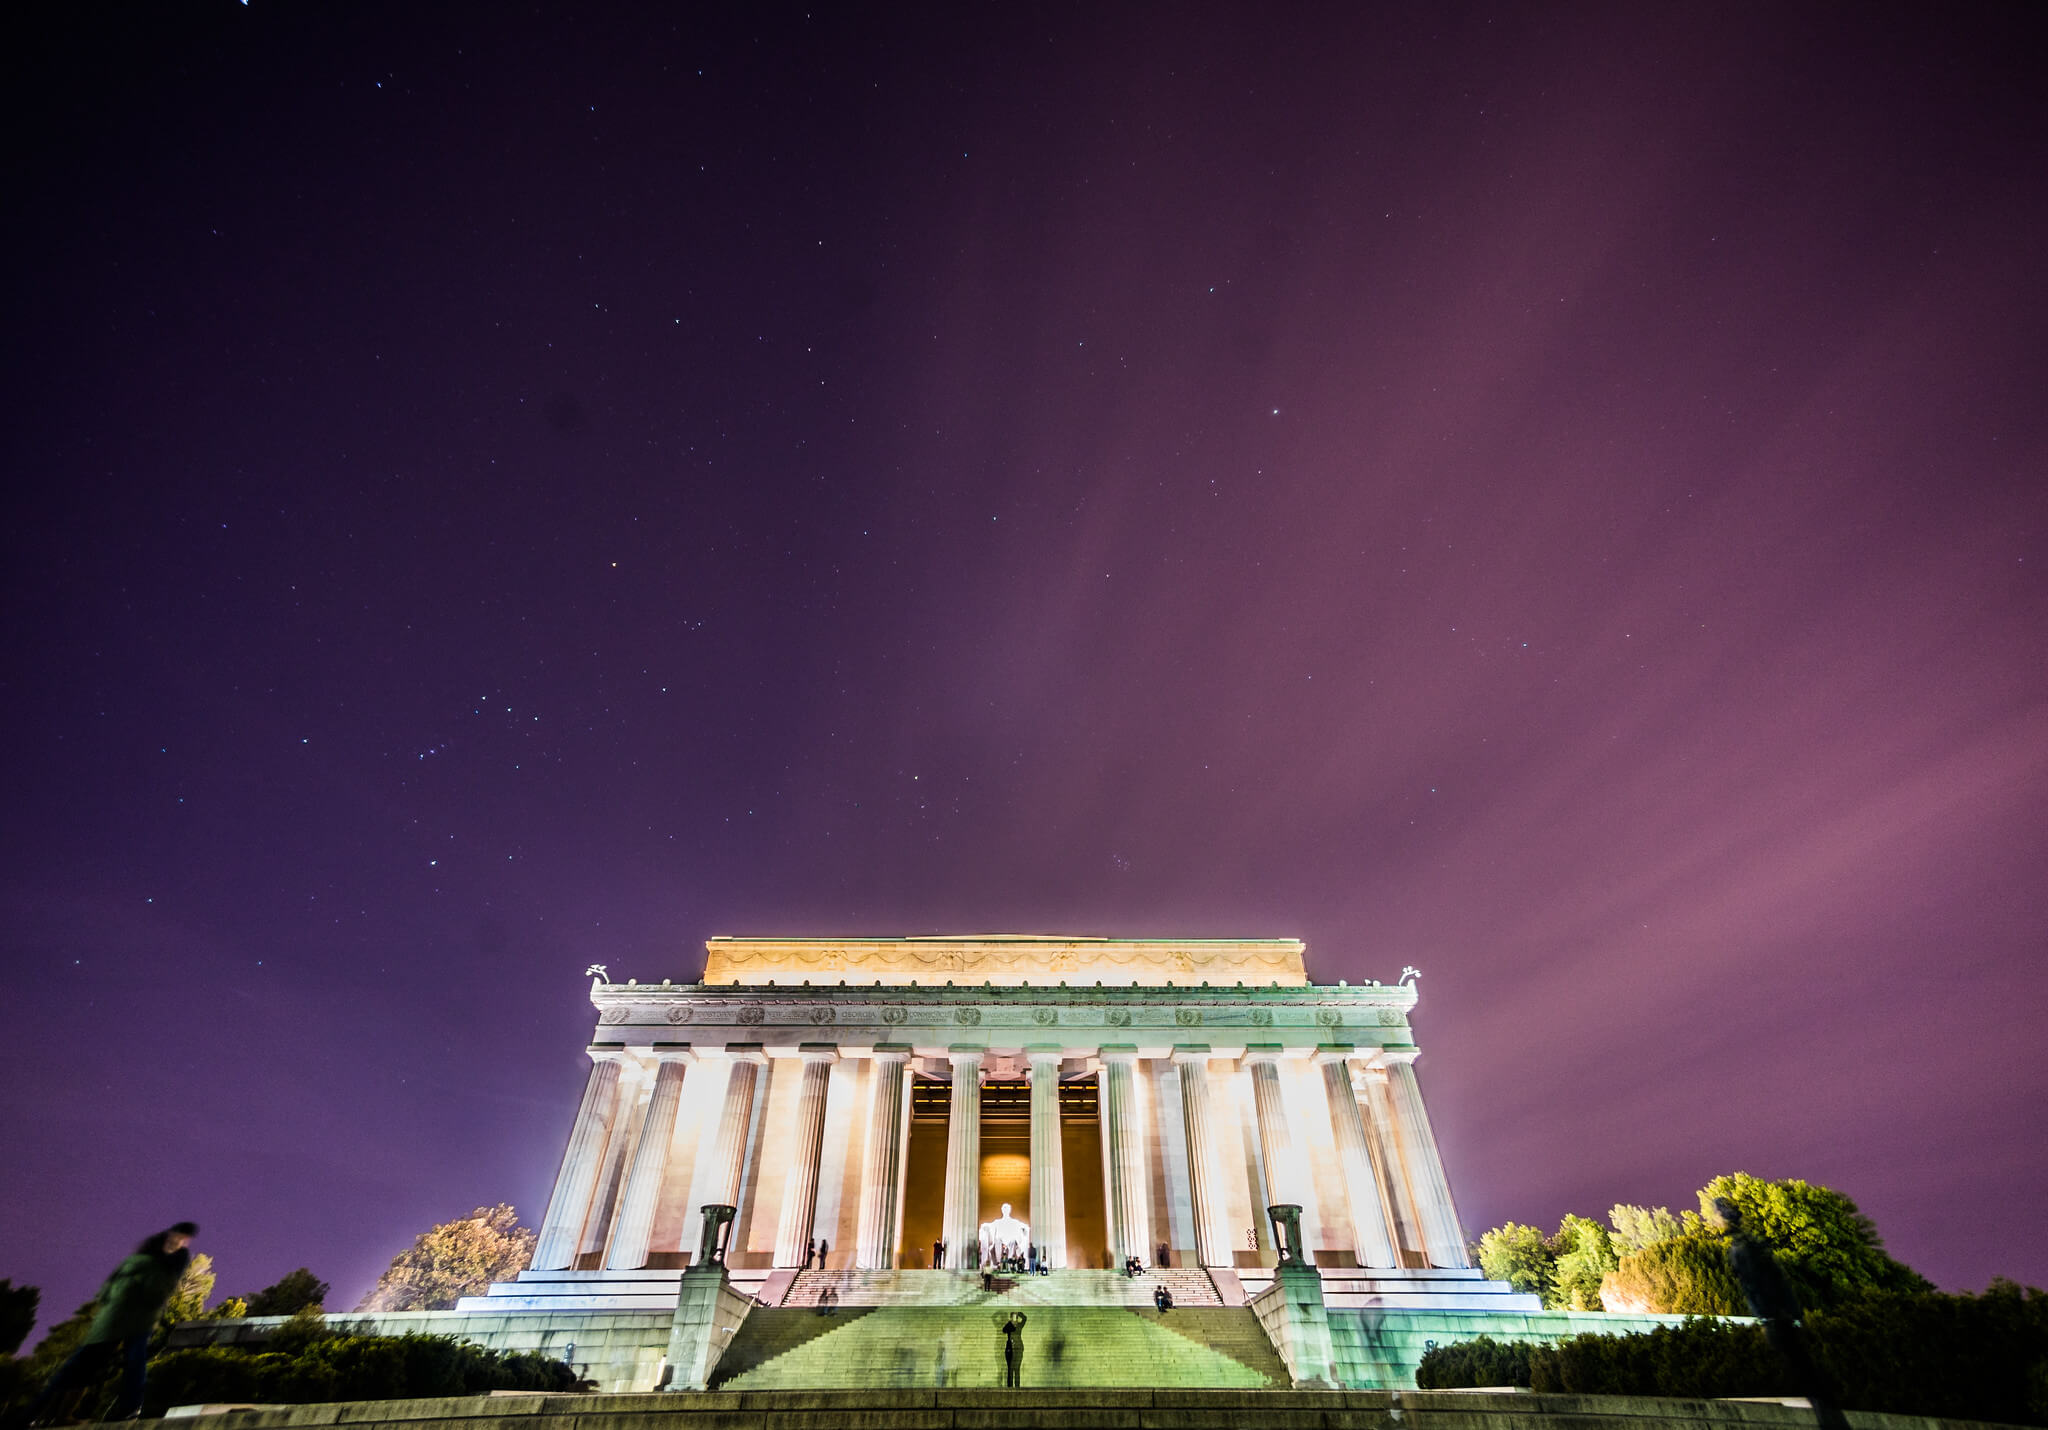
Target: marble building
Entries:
(1140, 1097)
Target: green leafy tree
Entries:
(188, 1300)
(1584, 1254)
(17, 1315)
(291, 1293)
(1520, 1256)
(454, 1259)
(1830, 1249)
(61, 1340)
(1684, 1275)
(1640, 1228)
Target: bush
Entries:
(1954, 1357)
(16, 1384)
(1701, 1358)
(1485, 1361)
(1683, 1275)
(1958, 1357)
(347, 1367)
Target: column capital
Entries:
(1123, 1054)
(667, 1053)
(962, 1056)
(1384, 1058)
(1268, 1054)
(827, 1053)
(893, 1052)
(1187, 1053)
(1045, 1053)
(747, 1053)
(607, 1052)
(1334, 1053)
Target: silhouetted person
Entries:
(1773, 1302)
(938, 1254)
(1165, 1255)
(1013, 1350)
(823, 1247)
(129, 1301)
(1162, 1298)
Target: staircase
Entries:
(888, 1288)
(1188, 1285)
(1077, 1346)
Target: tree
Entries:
(291, 1293)
(1520, 1256)
(454, 1259)
(60, 1341)
(188, 1300)
(1831, 1250)
(17, 1315)
(1583, 1255)
(1640, 1228)
(1685, 1275)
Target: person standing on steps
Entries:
(129, 1302)
(1013, 1351)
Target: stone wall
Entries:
(1379, 1350)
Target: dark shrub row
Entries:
(1962, 1357)
(347, 1367)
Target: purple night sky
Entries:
(1556, 499)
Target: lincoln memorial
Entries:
(1142, 1098)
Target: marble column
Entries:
(569, 1204)
(962, 1220)
(1369, 1081)
(1212, 1247)
(650, 1160)
(729, 1152)
(1130, 1227)
(798, 1223)
(1276, 1141)
(881, 1171)
(1442, 1238)
(1374, 1247)
(1048, 1170)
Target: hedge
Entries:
(1959, 1357)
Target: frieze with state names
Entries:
(1155, 1003)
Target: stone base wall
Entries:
(1380, 1350)
(1292, 1313)
(1052, 1410)
(709, 1312)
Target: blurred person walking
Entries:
(129, 1303)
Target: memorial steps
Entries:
(1188, 1286)
(961, 1346)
